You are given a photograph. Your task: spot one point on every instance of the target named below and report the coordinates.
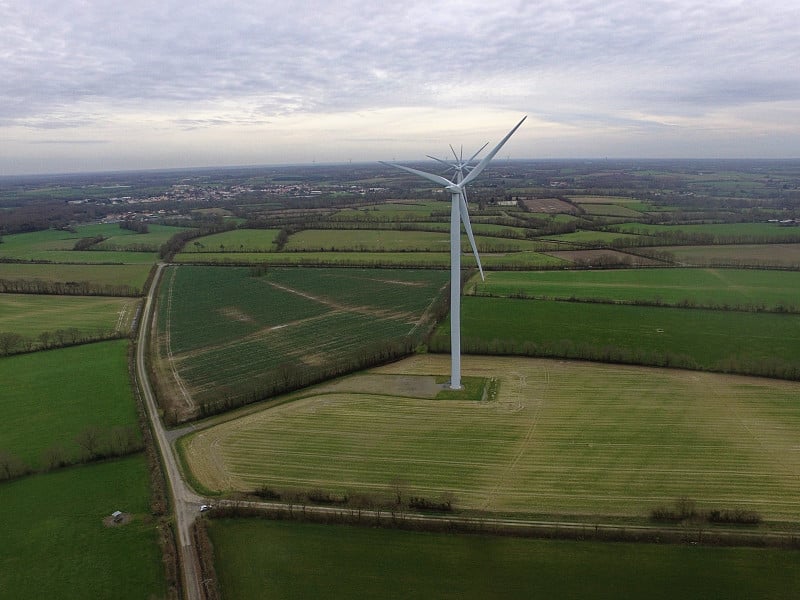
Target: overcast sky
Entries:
(90, 85)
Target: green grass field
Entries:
(702, 287)
(259, 558)
(742, 342)
(238, 240)
(778, 255)
(397, 210)
(49, 397)
(720, 232)
(592, 237)
(561, 438)
(124, 239)
(133, 276)
(595, 209)
(56, 546)
(56, 246)
(31, 314)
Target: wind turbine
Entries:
(464, 174)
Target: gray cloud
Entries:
(214, 63)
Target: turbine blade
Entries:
(429, 176)
(468, 227)
(454, 152)
(486, 159)
(478, 152)
(444, 162)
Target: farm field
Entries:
(237, 240)
(31, 314)
(603, 257)
(609, 210)
(124, 239)
(256, 558)
(56, 546)
(254, 329)
(132, 276)
(742, 342)
(562, 438)
(720, 232)
(56, 246)
(385, 240)
(758, 255)
(703, 287)
(422, 260)
(393, 210)
(50, 397)
(591, 237)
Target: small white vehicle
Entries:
(205, 507)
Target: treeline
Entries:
(773, 367)
(655, 302)
(87, 242)
(685, 510)
(134, 225)
(91, 444)
(15, 343)
(66, 288)
(175, 244)
(383, 516)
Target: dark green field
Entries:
(740, 342)
(283, 560)
(50, 397)
(224, 332)
(54, 543)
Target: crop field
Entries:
(393, 210)
(422, 260)
(721, 231)
(609, 210)
(260, 558)
(31, 314)
(603, 257)
(133, 276)
(251, 326)
(779, 255)
(237, 240)
(728, 341)
(56, 546)
(382, 240)
(703, 287)
(619, 200)
(50, 397)
(561, 438)
(592, 237)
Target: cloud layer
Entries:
(210, 82)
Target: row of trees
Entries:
(90, 444)
(772, 367)
(14, 343)
(654, 302)
(66, 288)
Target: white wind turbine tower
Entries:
(464, 174)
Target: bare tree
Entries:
(89, 440)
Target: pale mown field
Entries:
(562, 438)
